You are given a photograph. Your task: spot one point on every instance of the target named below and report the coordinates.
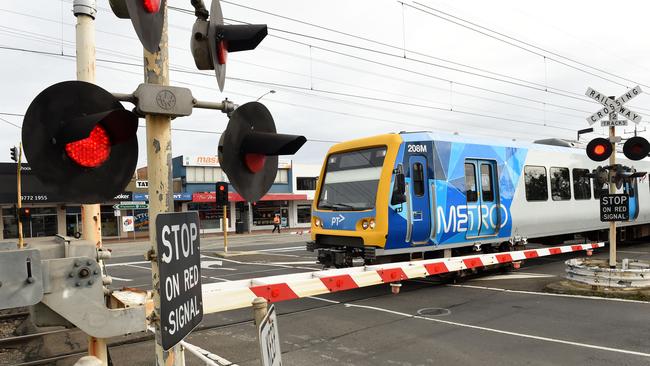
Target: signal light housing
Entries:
(636, 148)
(147, 17)
(212, 41)
(79, 138)
(599, 149)
(24, 213)
(249, 149)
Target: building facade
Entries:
(194, 179)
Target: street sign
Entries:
(614, 105)
(131, 206)
(269, 339)
(128, 224)
(179, 261)
(615, 123)
(141, 184)
(614, 207)
(117, 213)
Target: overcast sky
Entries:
(349, 69)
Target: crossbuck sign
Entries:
(612, 107)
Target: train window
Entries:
(560, 184)
(486, 182)
(417, 177)
(470, 182)
(581, 184)
(536, 186)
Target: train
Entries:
(419, 195)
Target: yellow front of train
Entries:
(350, 208)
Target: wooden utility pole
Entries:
(161, 198)
(91, 228)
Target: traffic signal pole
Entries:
(225, 229)
(612, 190)
(91, 229)
(159, 166)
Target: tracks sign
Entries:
(269, 339)
(179, 263)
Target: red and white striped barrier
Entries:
(224, 296)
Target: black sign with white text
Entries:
(179, 264)
(614, 207)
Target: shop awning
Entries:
(235, 197)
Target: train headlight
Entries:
(365, 224)
(317, 222)
(372, 223)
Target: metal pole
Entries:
(225, 229)
(85, 11)
(250, 217)
(19, 201)
(159, 158)
(612, 190)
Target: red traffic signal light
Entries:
(79, 138)
(222, 193)
(249, 149)
(212, 41)
(599, 149)
(636, 148)
(147, 17)
(24, 213)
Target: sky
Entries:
(348, 69)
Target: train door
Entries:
(483, 213)
(420, 212)
(631, 190)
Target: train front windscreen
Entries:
(351, 180)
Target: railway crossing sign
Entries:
(269, 339)
(179, 262)
(614, 207)
(613, 107)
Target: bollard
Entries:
(395, 287)
(260, 306)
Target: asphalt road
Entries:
(492, 319)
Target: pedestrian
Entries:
(276, 223)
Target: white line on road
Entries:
(513, 276)
(549, 294)
(121, 279)
(126, 263)
(631, 252)
(288, 263)
(522, 335)
(287, 249)
(134, 266)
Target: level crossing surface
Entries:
(495, 319)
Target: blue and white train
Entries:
(413, 195)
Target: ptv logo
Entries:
(336, 220)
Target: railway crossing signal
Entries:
(636, 148)
(212, 40)
(599, 149)
(80, 138)
(147, 17)
(249, 149)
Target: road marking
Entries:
(287, 249)
(550, 294)
(126, 263)
(499, 331)
(288, 263)
(513, 276)
(260, 264)
(121, 279)
(326, 300)
(134, 266)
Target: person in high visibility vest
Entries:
(276, 223)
